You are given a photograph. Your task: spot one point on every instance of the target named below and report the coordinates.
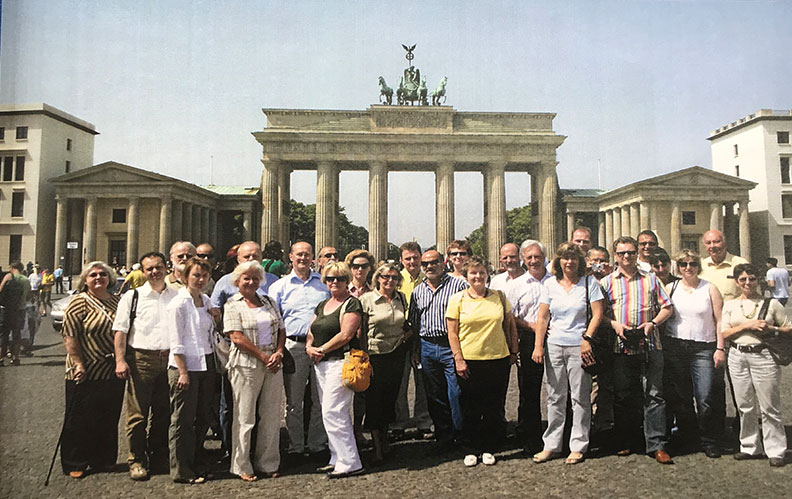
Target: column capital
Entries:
(497, 165)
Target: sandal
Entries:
(575, 458)
(77, 474)
(191, 481)
(544, 456)
(248, 477)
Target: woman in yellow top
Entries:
(483, 354)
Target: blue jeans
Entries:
(637, 382)
(442, 390)
(690, 373)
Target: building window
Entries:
(788, 248)
(8, 169)
(785, 169)
(119, 215)
(736, 170)
(690, 244)
(2, 134)
(117, 252)
(68, 144)
(736, 150)
(20, 168)
(14, 247)
(786, 205)
(782, 137)
(68, 166)
(21, 133)
(17, 204)
(688, 218)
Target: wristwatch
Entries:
(321, 350)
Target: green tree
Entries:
(302, 226)
(518, 229)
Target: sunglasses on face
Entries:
(627, 253)
(457, 253)
(97, 274)
(743, 280)
(683, 265)
(334, 278)
(389, 277)
(330, 255)
(647, 243)
(358, 266)
(430, 263)
(205, 255)
(659, 265)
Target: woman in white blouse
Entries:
(254, 369)
(191, 372)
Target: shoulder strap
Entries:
(268, 265)
(133, 309)
(673, 287)
(588, 302)
(764, 309)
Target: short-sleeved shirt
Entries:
(739, 311)
(385, 321)
(324, 327)
(224, 290)
(527, 289)
(780, 278)
(481, 334)
(428, 306)
(505, 283)
(90, 321)
(408, 284)
(259, 325)
(719, 274)
(568, 309)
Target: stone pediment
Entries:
(112, 173)
(696, 176)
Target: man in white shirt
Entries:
(647, 244)
(510, 260)
(778, 281)
(141, 352)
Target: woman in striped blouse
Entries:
(93, 393)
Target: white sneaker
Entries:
(470, 460)
(488, 459)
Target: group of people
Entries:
(627, 355)
(25, 297)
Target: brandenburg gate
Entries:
(386, 138)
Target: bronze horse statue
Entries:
(385, 91)
(439, 92)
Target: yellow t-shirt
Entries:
(481, 333)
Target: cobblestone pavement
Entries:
(31, 412)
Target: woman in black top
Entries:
(335, 322)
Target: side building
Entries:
(757, 148)
(37, 142)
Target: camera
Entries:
(633, 337)
(597, 267)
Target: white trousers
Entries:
(757, 386)
(254, 387)
(563, 366)
(295, 391)
(336, 404)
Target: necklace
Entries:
(750, 315)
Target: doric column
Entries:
(214, 238)
(547, 207)
(676, 228)
(60, 231)
(177, 230)
(187, 221)
(247, 220)
(635, 220)
(609, 230)
(745, 231)
(204, 224)
(646, 219)
(133, 218)
(270, 209)
(196, 224)
(444, 205)
(617, 225)
(89, 244)
(165, 224)
(496, 226)
(601, 229)
(625, 221)
(326, 181)
(570, 224)
(485, 208)
(378, 209)
(284, 204)
(729, 228)
(716, 213)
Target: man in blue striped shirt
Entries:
(427, 314)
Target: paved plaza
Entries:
(31, 412)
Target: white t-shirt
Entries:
(568, 309)
(693, 317)
(780, 278)
(263, 322)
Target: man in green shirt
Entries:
(14, 290)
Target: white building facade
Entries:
(37, 142)
(757, 148)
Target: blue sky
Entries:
(177, 86)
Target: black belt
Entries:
(298, 339)
(436, 340)
(750, 348)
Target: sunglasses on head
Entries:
(430, 263)
(334, 278)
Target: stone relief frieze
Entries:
(408, 119)
(401, 148)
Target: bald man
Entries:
(718, 266)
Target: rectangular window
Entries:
(736, 150)
(117, 252)
(20, 168)
(785, 169)
(21, 133)
(788, 248)
(14, 247)
(688, 218)
(119, 215)
(786, 205)
(782, 137)
(2, 134)
(736, 170)
(68, 166)
(8, 169)
(68, 144)
(17, 204)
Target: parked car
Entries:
(59, 306)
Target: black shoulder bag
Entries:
(601, 343)
(779, 344)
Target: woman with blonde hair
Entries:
(361, 263)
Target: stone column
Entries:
(177, 231)
(485, 209)
(635, 220)
(716, 210)
(89, 244)
(496, 226)
(745, 231)
(601, 234)
(60, 232)
(247, 220)
(547, 207)
(646, 219)
(617, 224)
(676, 228)
(625, 221)
(730, 229)
(165, 224)
(326, 181)
(378, 209)
(132, 231)
(444, 205)
(609, 230)
(270, 208)
(570, 224)
(204, 224)
(213, 237)
(187, 221)
(284, 204)
(196, 224)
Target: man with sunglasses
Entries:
(718, 267)
(428, 305)
(326, 255)
(639, 304)
(180, 252)
(647, 244)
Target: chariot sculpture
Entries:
(412, 88)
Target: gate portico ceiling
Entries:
(408, 138)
